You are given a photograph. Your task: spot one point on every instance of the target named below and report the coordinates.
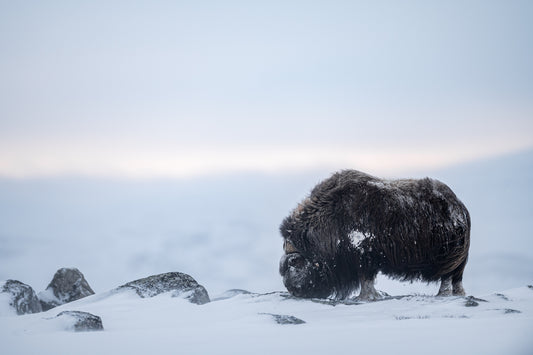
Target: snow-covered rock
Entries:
(68, 285)
(177, 283)
(18, 297)
(78, 321)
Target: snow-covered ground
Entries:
(223, 231)
(246, 324)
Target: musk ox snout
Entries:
(302, 277)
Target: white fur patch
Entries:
(357, 237)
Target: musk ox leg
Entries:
(368, 292)
(457, 281)
(445, 287)
(458, 289)
(453, 285)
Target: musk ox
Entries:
(354, 225)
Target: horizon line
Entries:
(378, 163)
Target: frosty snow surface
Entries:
(277, 323)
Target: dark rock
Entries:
(68, 285)
(82, 321)
(285, 319)
(23, 297)
(179, 284)
(472, 301)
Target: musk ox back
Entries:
(354, 225)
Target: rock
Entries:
(284, 319)
(472, 301)
(21, 297)
(180, 284)
(80, 321)
(68, 285)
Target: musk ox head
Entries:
(313, 265)
(304, 277)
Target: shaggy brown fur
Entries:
(354, 225)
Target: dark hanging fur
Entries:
(354, 225)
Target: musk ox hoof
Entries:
(369, 293)
(449, 288)
(376, 295)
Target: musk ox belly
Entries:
(418, 229)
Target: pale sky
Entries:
(176, 88)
